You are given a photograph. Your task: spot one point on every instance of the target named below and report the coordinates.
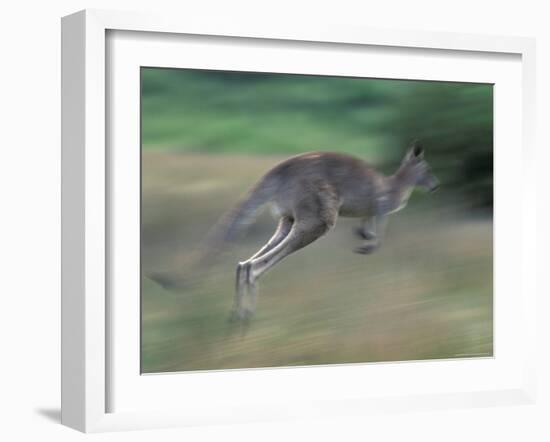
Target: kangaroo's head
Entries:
(416, 171)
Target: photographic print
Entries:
(296, 220)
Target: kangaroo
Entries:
(308, 192)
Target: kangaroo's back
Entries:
(352, 180)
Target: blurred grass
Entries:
(427, 293)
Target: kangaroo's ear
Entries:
(416, 151)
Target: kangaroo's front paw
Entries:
(367, 235)
(366, 249)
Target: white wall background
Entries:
(30, 220)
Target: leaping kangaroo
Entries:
(308, 192)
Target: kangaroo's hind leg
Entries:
(300, 236)
(242, 286)
(314, 217)
(283, 228)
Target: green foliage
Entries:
(258, 113)
(455, 123)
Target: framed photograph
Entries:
(265, 222)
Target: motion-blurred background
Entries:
(427, 293)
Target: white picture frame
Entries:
(87, 202)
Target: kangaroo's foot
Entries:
(365, 234)
(243, 289)
(239, 322)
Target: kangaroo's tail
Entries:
(225, 230)
(235, 221)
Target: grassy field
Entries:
(427, 293)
